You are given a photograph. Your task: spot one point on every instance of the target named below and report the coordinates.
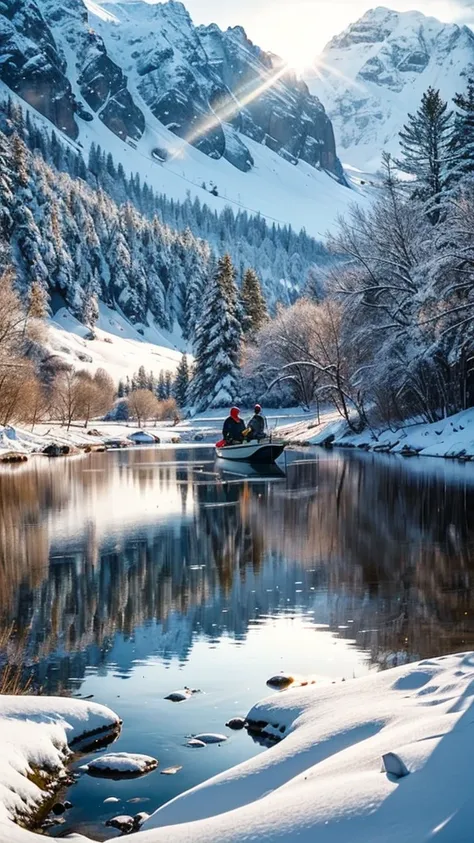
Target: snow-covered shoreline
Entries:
(452, 437)
(326, 776)
(36, 735)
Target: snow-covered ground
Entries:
(326, 779)
(452, 437)
(119, 346)
(35, 735)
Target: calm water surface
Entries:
(128, 575)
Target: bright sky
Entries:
(299, 29)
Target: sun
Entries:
(298, 61)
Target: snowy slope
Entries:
(118, 347)
(375, 72)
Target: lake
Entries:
(131, 574)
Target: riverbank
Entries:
(384, 757)
(452, 438)
(206, 427)
(37, 735)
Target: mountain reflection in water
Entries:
(377, 548)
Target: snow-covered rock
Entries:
(122, 764)
(375, 72)
(123, 823)
(210, 737)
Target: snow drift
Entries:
(325, 777)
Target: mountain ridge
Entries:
(374, 73)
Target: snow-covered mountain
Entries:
(375, 72)
(189, 108)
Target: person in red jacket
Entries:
(233, 428)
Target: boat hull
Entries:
(261, 453)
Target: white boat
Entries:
(265, 451)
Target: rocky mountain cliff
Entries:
(375, 72)
(122, 62)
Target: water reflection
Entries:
(93, 549)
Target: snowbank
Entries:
(452, 437)
(35, 735)
(324, 780)
(18, 440)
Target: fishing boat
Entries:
(264, 452)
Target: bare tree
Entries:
(68, 397)
(143, 405)
(106, 391)
(17, 381)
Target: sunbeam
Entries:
(228, 110)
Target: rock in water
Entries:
(236, 723)
(281, 681)
(139, 819)
(110, 799)
(170, 771)
(193, 742)
(393, 764)
(210, 737)
(121, 765)
(179, 696)
(124, 823)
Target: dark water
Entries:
(128, 575)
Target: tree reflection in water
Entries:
(92, 547)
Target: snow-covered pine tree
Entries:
(227, 275)
(142, 378)
(462, 145)
(253, 301)
(6, 188)
(218, 343)
(425, 143)
(169, 384)
(19, 160)
(90, 312)
(161, 387)
(181, 383)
